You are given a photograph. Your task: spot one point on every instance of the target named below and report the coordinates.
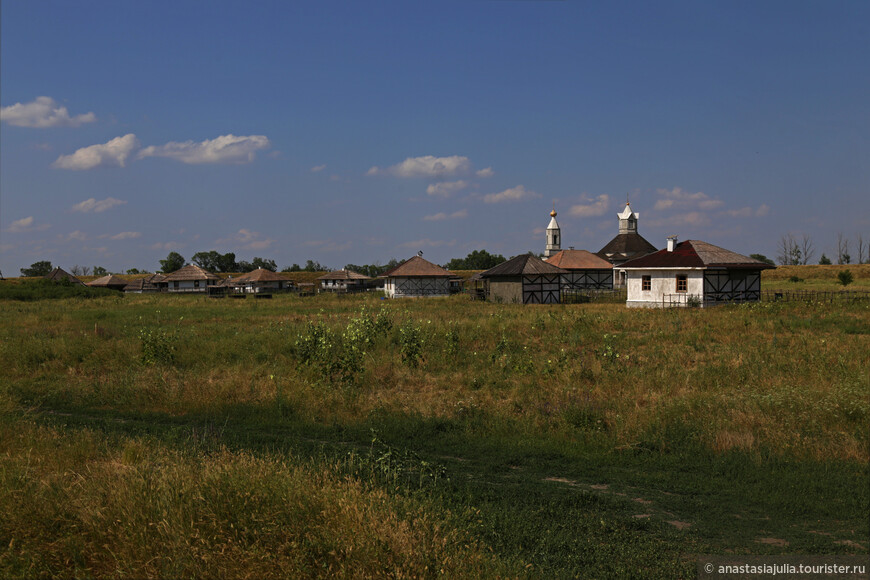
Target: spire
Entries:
(627, 219)
(554, 235)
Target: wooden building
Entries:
(586, 271)
(190, 278)
(627, 245)
(109, 281)
(343, 281)
(146, 285)
(62, 276)
(416, 278)
(262, 281)
(524, 279)
(692, 273)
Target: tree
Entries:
(372, 270)
(174, 261)
(133, 271)
(762, 258)
(843, 256)
(824, 260)
(862, 247)
(100, 271)
(216, 262)
(845, 277)
(808, 250)
(265, 264)
(312, 266)
(42, 268)
(476, 260)
(293, 268)
(788, 252)
(77, 270)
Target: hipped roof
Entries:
(190, 272)
(625, 246)
(261, 275)
(109, 281)
(578, 260)
(147, 283)
(696, 254)
(59, 275)
(417, 267)
(522, 265)
(343, 275)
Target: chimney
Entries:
(672, 241)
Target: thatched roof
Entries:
(145, 284)
(626, 246)
(417, 267)
(59, 275)
(522, 265)
(109, 281)
(696, 254)
(190, 272)
(343, 275)
(261, 275)
(578, 260)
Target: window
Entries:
(646, 283)
(196, 283)
(682, 283)
(175, 284)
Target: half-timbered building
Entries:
(416, 278)
(262, 281)
(692, 273)
(586, 271)
(190, 278)
(343, 281)
(524, 279)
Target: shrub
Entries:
(411, 343)
(845, 277)
(158, 347)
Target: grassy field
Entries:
(155, 436)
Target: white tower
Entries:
(627, 220)
(554, 236)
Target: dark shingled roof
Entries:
(626, 246)
(578, 260)
(696, 254)
(146, 284)
(524, 264)
(59, 275)
(343, 275)
(417, 267)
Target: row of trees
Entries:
(792, 251)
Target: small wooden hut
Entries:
(524, 279)
(262, 280)
(343, 281)
(190, 278)
(109, 281)
(586, 271)
(146, 284)
(61, 275)
(416, 278)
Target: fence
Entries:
(814, 295)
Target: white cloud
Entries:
(692, 218)
(427, 243)
(247, 240)
(463, 213)
(77, 235)
(126, 236)
(676, 197)
(318, 168)
(446, 188)
(42, 113)
(487, 172)
(26, 225)
(92, 205)
(223, 149)
(746, 212)
(426, 166)
(166, 246)
(517, 193)
(762, 210)
(590, 207)
(115, 152)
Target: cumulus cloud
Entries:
(446, 188)
(26, 225)
(426, 166)
(223, 149)
(486, 172)
(42, 113)
(590, 207)
(441, 216)
(517, 193)
(126, 236)
(692, 218)
(318, 168)
(676, 197)
(248, 240)
(747, 212)
(92, 205)
(78, 236)
(113, 153)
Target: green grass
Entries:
(582, 440)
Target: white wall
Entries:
(663, 282)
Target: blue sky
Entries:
(356, 132)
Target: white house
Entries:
(343, 281)
(416, 278)
(262, 280)
(190, 278)
(692, 273)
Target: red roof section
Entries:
(696, 254)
